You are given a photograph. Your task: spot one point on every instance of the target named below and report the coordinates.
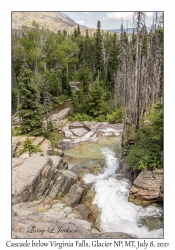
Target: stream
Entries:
(112, 190)
(116, 213)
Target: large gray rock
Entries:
(147, 188)
(60, 185)
(79, 131)
(26, 176)
(39, 178)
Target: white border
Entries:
(5, 95)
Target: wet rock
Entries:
(152, 223)
(74, 195)
(129, 172)
(65, 144)
(91, 209)
(84, 212)
(92, 166)
(146, 188)
(118, 126)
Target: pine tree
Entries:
(30, 147)
(96, 101)
(84, 76)
(98, 50)
(30, 111)
(78, 30)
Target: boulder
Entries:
(79, 131)
(147, 188)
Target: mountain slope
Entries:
(52, 20)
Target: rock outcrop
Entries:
(147, 188)
(40, 177)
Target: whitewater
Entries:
(116, 213)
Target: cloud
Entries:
(149, 14)
(119, 15)
(123, 15)
(80, 22)
(86, 13)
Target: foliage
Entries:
(97, 100)
(30, 110)
(116, 116)
(84, 76)
(16, 131)
(30, 147)
(80, 118)
(14, 99)
(54, 138)
(84, 117)
(146, 151)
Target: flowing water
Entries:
(116, 213)
(112, 190)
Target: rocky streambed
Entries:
(83, 194)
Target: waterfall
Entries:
(116, 213)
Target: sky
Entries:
(109, 20)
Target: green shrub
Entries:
(100, 118)
(58, 100)
(146, 151)
(80, 118)
(116, 116)
(16, 131)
